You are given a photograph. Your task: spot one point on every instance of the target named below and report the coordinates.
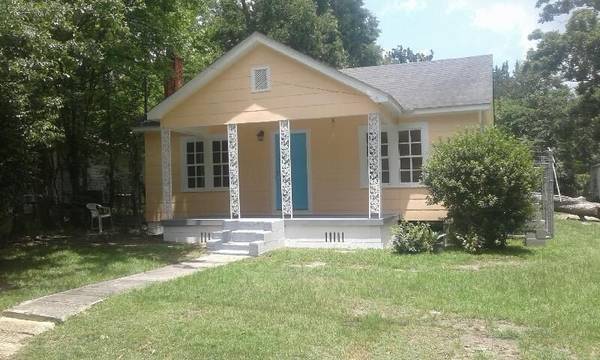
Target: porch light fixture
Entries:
(260, 135)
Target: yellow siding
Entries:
(334, 171)
(297, 92)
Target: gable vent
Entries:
(261, 79)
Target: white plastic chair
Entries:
(99, 212)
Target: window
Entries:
(403, 152)
(220, 163)
(260, 79)
(385, 160)
(194, 155)
(410, 151)
(205, 164)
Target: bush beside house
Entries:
(485, 179)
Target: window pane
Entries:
(216, 146)
(405, 164)
(384, 138)
(416, 176)
(190, 147)
(385, 164)
(225, 181)
(216, 158)
(199, 146)
(224, 157)
(224, 145)
(384, 150)
(416, 163)
(200, 170)
(385, 177)
(199, 158)
(200, 182)
(190, 158)
(404, 149)
(403, 136)
(415, 135)
(191, 171)
(415, 149)
(217, 170)
(217, 181)
(225, 169)
(191, 183)
(405, 176)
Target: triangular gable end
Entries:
(243, 48)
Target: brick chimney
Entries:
(175, 80)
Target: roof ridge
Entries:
(421, 63)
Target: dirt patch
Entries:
(477, 337)
(458, 337)
(311, 265)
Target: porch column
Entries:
(234, 172)
(374, 153)
(167, 190)
(285, 164)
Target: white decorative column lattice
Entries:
(234, 172)
(285, 165)
(167, 190)
(374, 152)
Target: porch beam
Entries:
(374, 161)
(234, 171)
(285, 164)
(167, 189)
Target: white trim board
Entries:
(251, 42)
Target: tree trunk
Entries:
(577, 206)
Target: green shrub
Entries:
(485, 179)
(413, 238)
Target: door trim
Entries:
(274, 210)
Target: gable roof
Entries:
(435, 84)
(251, 42)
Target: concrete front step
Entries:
(249, 235)
(262, 225)
(231, 252)
(236, 245)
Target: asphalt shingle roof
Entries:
(440, 83)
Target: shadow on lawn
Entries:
(80, 252)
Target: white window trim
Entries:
(393, 153)
(208, 163)
(253, 82)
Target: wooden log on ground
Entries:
(577, 206)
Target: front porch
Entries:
(286, 183)
(255, 236)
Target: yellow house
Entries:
(268, 147)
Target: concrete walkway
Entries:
(33, 317)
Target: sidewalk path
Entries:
(33, 317)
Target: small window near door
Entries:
(220, 163)
(195, 165)
(410, 150)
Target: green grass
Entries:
(529, 303)
(32, 268)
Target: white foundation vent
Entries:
(334, 236)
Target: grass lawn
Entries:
(522, 303)
(41, 266)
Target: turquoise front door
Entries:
(299, 172)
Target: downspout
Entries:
(481, 127)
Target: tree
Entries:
(401, 55)
(337, 32)
(554, 8)
(572, 57)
